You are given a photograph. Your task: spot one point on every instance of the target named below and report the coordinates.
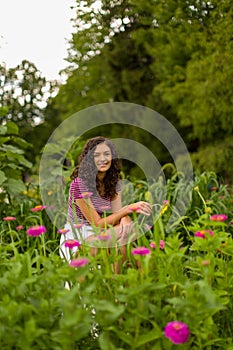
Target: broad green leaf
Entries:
(11, 149)
(15, 187)
(148, 337)
(12, 128)
(22, 143)
(4, 139)
(2, 177)
(105, 341)
(3, 129)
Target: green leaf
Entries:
(146, 338)
(15, 187)
(4, 139)
(2, 177)
(3, 130)
(105, 342)
(22, 143)
(11, 148)
(12, 128)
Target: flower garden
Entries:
(180, 297)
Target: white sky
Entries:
(36, 30)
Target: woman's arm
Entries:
(89, 212)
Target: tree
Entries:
(24, 94)
(173, 56)
(24, 91)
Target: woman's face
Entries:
(102, 157)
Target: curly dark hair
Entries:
(87, 170)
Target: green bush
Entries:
(190, 279)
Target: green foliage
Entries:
(174, 57)
(190, 279)
(12, 162)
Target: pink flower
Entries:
(79, 262)
(20, 227)
(38, 208)
(202, 233)
(134, 208)
(71, 243)
(51, 207)
(105, 207)
(104, 236)
(36, 230)
(62, 231)
(218, 217)
(9, 218)
(177, 332)
(166, 202)
(141, 251)
(78, 225)
(85, 194)
(161, 244)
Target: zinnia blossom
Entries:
(134, 208)
(177, 332)
(62, 231)
(20, 227)
(161, 244)
(85, 195)
(71, 243)
(218, 217)
(141, 251)
(9, 218)
(36, 230)
(78, 225)
(104, 236)
(79, 262)
(38, 208)
(202, 233)
(105, 207)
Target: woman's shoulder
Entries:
(118, 186)
(78, 183)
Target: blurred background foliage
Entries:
(172, 56)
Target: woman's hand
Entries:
(141, 207)
(125, 225)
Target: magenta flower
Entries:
(62, 231)
(85, 194)
(20, 227)
(134, 207)
(203, 233)
(78, 225)
(38, 208)
(71, 243)
(36, 230)
(161, 244)
(218, 217)
(105, 207)
(177, 332)
(79, 262)
(9, 218)
(104, 236)
(141, 251)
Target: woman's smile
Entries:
(102, 157)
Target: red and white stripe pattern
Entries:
(77, 188)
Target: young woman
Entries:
(95, 189)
